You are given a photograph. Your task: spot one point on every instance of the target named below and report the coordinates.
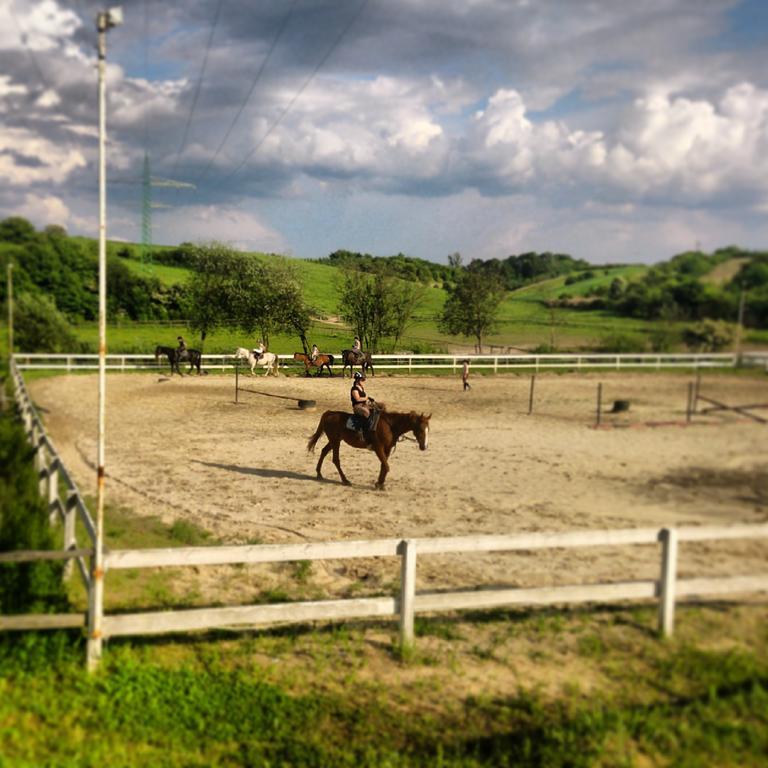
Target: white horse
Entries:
(267, 360)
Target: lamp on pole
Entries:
(105, 20)
(10, 312)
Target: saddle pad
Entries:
(351, 423)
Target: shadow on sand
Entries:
(259, 471)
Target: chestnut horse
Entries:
(390, 428)
(320, 362)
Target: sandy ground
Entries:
(183, 448)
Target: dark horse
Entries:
(192, 356)
(390, 428)
(320, 362)
(352, 358)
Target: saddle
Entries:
(359, 424)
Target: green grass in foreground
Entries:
(247, 701)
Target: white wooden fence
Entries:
(410, 363)
(667, 589)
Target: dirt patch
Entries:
(184, 449)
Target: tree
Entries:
(269, 298)
(216, 283)
(40, 327)
(472, 306)
(378, 305)
(16, 230)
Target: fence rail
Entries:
(409, 362)
(667, 589)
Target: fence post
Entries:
(495, 364)
(599, 403)
(53, 484)
(70, 518)
(668, 538)
(407, 590)
(530, 396)
(689, 405)
(237, 377)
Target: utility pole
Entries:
(105, 20)
(740, 325)
(10, 312)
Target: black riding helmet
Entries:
(359, 376)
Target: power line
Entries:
(197, 87)
(256, 79)
(23, 36)
(298, 93)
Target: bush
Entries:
(40, 327)
(621, 343)
(709, 336)
(24, 587)
(664, 339)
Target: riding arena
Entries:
(184, 448)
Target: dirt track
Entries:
(184, 449)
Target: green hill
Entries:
(557, 302)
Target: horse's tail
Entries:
(313, 440)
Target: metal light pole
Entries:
(10, 312)
(104, 20)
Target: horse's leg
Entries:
(337, 462)
(323, 454)
(383, 455)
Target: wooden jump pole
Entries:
(530, 395)
(599, 403)
(689, 404)
(237, 377)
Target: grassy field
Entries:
(525, 322)
(542, 687)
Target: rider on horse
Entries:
(315, 353)
(181, 350)
(259, 350)
(357, 348)
(362, 406)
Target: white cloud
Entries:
(43, 210)
(240, 228)
(27, 158)
(381, 127)
(676, 148)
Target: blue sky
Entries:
(616, 132)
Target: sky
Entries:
(612, 131)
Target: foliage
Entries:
(472, 306)
(40, 327)
(709, 336)
(377, 306)
(24, 587)
(408, 268)
(516, 271)
(676, 289)
(231, 289)
(66, 269)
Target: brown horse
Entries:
(320, 362)
(390, 428)
(352, 358)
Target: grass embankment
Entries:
(592, 688)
